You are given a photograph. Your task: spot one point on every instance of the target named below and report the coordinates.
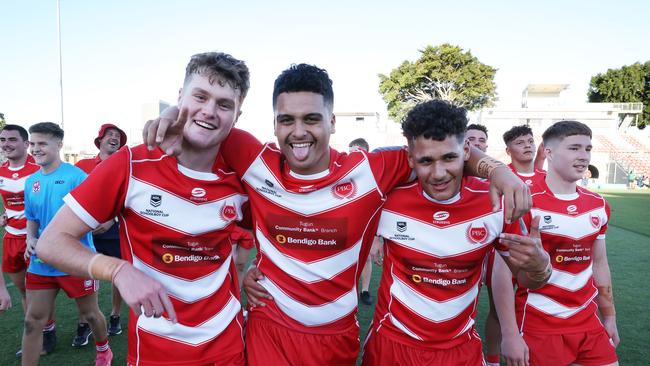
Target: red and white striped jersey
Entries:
(12, 189)
(175, 226)
(434, 254)
(569, 226)
(529, 178)
(312, 234)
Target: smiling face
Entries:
(13, 145)
(522, 149)
(569, 158)
(439, 165)
(213, 109)
(477, 138)
(303, 125)
(110, 143)
(45, 149)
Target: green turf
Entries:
(628, 246)
(630, 210)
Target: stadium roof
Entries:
(546, 88)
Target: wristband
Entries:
(102, 267)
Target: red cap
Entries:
(102, 132)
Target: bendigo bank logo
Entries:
(477, 234)
(167, 258)
(344, 190)
(228, 212)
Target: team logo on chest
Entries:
(477, 234)
(594, 219)
(155, 200)
(344, 190)
(228, 212)
(529, 182)
(36, 186)
(14, 176)
(571, 209)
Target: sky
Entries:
(119, 54)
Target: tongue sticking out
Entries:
(300, 152)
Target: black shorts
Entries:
(109, 247)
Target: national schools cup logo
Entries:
(477, 234)
(401, 226)
(155, 200)
(228, 213)
(344, 190)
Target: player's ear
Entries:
(333, 122)
(466, 150)
(410, 156)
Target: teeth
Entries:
(302, 144)
(205, 125)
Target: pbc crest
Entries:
(228, 213)
(401, 226)
(344, 190)
(595, 220)
(155, 200)
(36, 186)
(477, 234)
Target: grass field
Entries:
(628, 246)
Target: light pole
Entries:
(58, 22)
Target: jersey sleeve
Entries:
(518, 227)
(100, 197)
(242, 237)
(603, 228)
(390, 167)
(239, 150)
(85, 165)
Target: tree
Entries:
(443, 72)
(3, 122)
(628, 84)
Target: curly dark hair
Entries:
(304, 78)
(560, 130)
(47, 128)
(515, 132)
(220, 66)
(476, 126)
(435, 119)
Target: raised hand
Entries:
(166, 131)
(516, 195)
